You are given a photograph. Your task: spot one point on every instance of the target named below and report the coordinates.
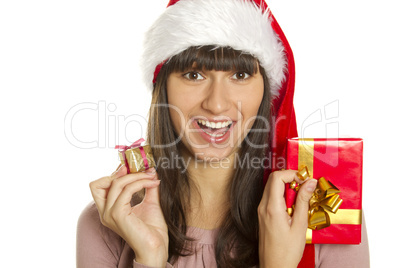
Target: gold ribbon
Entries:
(325, 199)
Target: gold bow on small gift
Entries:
(325, 199)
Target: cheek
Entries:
(177, 120)
(180, 105)
(252, 101)
(176, 113)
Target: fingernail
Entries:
(150, 171)
(311, 184)
(117, 170)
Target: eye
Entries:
(241, 75)
(193, 76)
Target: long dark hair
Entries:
(237, 241)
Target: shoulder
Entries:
(89, 219)
(91, 232)
(89, 214)
(97, 245)
(337, 255)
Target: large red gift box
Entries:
(340, 162)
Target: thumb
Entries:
(300, 215)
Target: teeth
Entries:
(215, 135)
(214, 125)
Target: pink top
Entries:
(100, 247)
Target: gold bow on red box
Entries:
(324, 199)
(335, 162)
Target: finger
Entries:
(124, 199)
(99, 191)
(99, 188)
(300, 215)
(275, 188)
(118, 166)
(102, 183)
(120, 171)
(273, 204)
(120, 183)
(152, 194)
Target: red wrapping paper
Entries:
(339, 161)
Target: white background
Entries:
(55, 55)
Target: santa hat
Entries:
(240, 24)
(246, 25)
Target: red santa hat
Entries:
(240, 24)
(246, 25)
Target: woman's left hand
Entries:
(282, 238)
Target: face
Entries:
(212, 111)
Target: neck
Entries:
(209, 190)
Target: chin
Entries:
(213, 155)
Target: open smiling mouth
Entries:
(215, 129)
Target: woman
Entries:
(218, 70)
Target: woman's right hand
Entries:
(143, 226)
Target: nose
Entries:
(217, 98)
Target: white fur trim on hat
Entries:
(239, 24)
